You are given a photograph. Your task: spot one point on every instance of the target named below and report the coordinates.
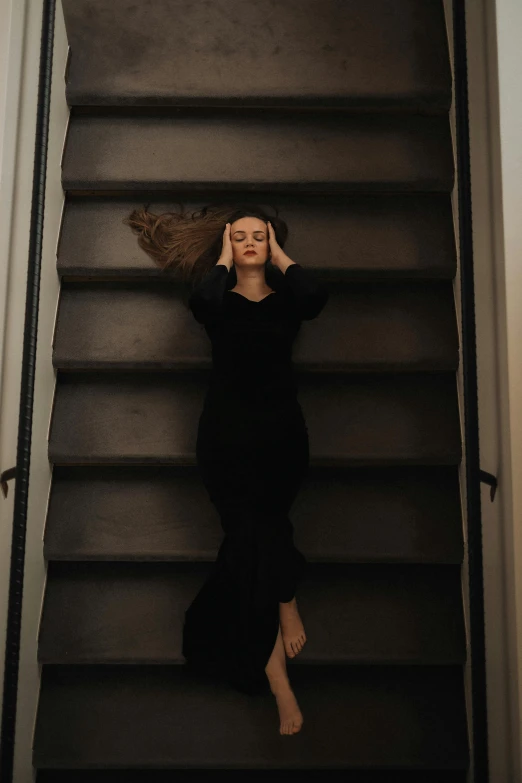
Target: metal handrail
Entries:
(23, 454)
(473, 474)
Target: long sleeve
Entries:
(308, 294)
(206, 300)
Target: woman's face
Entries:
(249, 233)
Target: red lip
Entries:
(250, 253)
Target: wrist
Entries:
(284, 262)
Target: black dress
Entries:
(252, 454)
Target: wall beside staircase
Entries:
(495, 117)
(495, 106)
(21, 22)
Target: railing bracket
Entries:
(489, 478)
(5, 476)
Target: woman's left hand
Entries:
(278, 254)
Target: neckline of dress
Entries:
(254, 301)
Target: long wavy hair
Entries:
(189, 244)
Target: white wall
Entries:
(495, 107)
(506, 183)
(17, 161)
(5, 27)
(480, 70)
(12, 23)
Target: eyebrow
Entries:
(257, 231)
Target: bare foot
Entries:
(292, 628)
(290, 716)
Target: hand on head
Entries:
(227, 254)
(276, 252)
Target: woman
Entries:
(252, 452)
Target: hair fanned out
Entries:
(190, 243)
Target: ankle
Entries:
(282, 688)
(288, 608)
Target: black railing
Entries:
(479, 719)
(23, 454)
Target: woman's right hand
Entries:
(227, 254)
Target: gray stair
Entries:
(266, 150)
(397, 326)
(307, 52)
(165, 776)
(96, 717)
(338, 114)
(358, 613)
(370, 236)
(152, 417)
(394, 514)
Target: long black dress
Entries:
(253, 454)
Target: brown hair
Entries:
(190, 244)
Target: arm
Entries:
(206, 299)
(307, 292)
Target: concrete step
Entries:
(152, 418)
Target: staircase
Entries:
(338, 112)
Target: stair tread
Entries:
(357, 56)
(165, 775)
(407, 514)
(153, 417)
(159, 716)
(342, 153)
(134, 612)
(401, 325)
(346, 120)
(399, 235)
